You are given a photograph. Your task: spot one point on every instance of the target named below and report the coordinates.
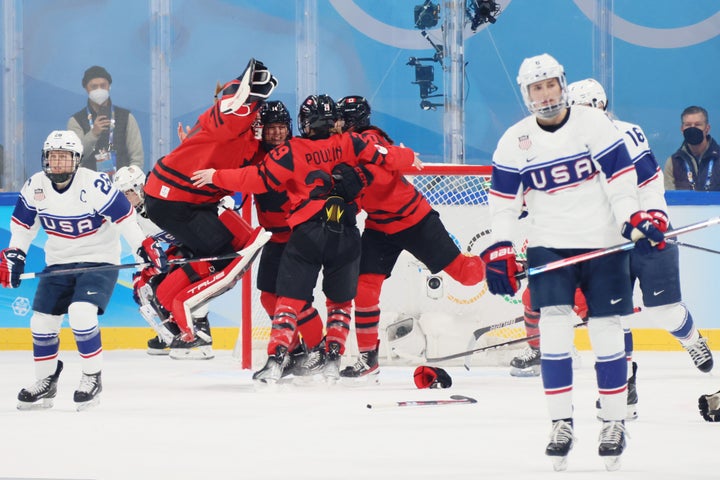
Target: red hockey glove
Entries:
(642, 230)
(500, 268)
(12, 265)
(710, 407)
(431, 377)
(151, 253)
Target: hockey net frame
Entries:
(435, 321)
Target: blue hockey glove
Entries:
(642, 229)
(501, 268)
(12, 265)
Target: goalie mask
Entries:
(536, 69)
(587, 92)
(318, 113)
(355, 111)
(130, 180)
(61, 168)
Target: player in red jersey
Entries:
(398, 218)
(322, 218)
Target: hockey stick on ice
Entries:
(454, 400)
(482, 331)
(259, 241)
(564, 262)
(694, 247)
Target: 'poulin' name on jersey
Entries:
(324, 156)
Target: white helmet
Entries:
(65, 140)
(131, 178)
(535, 69)
(587, 92)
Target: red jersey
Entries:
(272, 207)
(217, 141)
(391, 202)
(303, 167)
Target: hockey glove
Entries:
(501, 268)
(262, 83)
(151, 253)
(12, 265)
(349, 180)
(710, 407)
(642, 230)
(254, 84)
(431, 377)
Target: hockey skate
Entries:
(612, 443)
(157, 346)
(331, 370)
(701, 355)
(527, 364)
(198, 349)
(313, 363)
(561, 442)
(88, 393)
(42, 393)
(273, 369)
(366, 368)
(632, 398)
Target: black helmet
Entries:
(318, 113)
(355, 110)
(275, 112)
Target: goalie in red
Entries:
(398, 218)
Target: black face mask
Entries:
(693, 135)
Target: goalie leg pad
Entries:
(338, 322)
(242, 231)
(45, 329)
(367, 310)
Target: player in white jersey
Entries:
(657, 272)
(83, 215)
(572, 170)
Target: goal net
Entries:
(427, 315)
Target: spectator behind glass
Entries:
(695, 165)
(110, 135)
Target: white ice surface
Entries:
(166, 419)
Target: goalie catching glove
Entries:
(255, 84)
(710, 406)
(151, 253)
(644, 228)
(501, 267)
(431, 377)
(12, 265)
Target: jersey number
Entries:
(103, 183)
(636, 135)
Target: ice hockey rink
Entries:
(161, 418)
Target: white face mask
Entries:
(99, 95)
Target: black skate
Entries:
(156, 346)
(561, 442)
(88, 393)
(612, 443)
(365, 368)
(198, 349)
(273, 369)
(313, 363)
(42, 393)
(632, 398)
(331, 371)
(701, 355)
(527, 364)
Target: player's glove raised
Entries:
(255, 84)
(151, 253)
(710, 407)
(501, 268)
(642, 229)
(348, 181)
(12, 265)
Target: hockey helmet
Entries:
(66, 141)
(318, 113)
(355, 111)
(587, 92)
(538, 68)
(131, 179)
(275, 112)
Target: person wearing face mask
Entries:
(696, 164)
(110, 135)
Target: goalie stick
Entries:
(454, 400)
(259, 241)
(564, 262)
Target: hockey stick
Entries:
(261, 240)
(454, 400)
(482, 331)
(695, 247)
(564, 262)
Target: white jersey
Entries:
(578, 182)
(82, 222)
(651, 188)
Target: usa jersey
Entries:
(82, 222)
(578, 182)
(650, 181)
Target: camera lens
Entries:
(434, 283)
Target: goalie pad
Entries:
(241, 230)
(709, 406)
